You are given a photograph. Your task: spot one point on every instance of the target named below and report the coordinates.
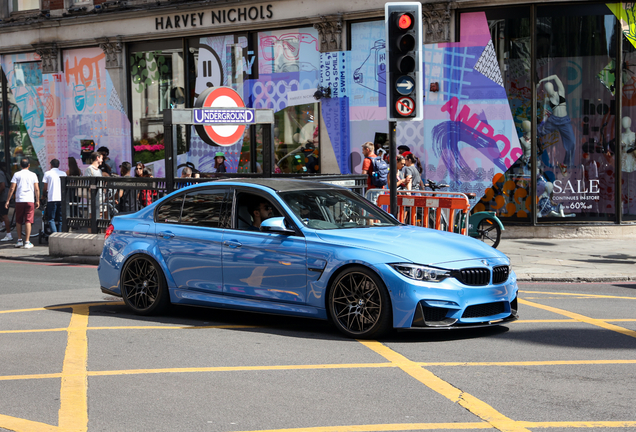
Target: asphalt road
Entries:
(72, 358)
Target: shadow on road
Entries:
(188, 316)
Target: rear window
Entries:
(205, 208)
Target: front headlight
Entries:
(421, 273)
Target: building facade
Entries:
(522, 104)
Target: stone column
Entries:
(115, 65)
(50, 56)
(330, 31)
(436, 22)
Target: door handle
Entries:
(232, 243)
(167, 235)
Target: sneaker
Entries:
(8, 237)
(19, 243)
(28, 245)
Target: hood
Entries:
(413, 244)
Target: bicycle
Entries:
(484, 225)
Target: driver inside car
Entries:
(259, 209)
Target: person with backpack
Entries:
(376, 168)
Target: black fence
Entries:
(91, 202)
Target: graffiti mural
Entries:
(61, 110)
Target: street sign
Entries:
(405, 85)
(405, 106)
(225, 107)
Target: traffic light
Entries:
(404, 92)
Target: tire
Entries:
(143, 286)
(359, 304)
(489, 231)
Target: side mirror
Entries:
(276, 225)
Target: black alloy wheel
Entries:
(143, 286)
(359, 304)
(489, 232)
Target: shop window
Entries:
(24, 5)
(510, 195)
(157, 83)
(576, 113)
(628, 127)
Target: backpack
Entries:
(380, 174)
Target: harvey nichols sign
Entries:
(221, 16)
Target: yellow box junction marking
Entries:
(73, 413)
(471, 403)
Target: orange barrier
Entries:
(414, 208)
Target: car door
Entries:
(192, 247)
(266, 266)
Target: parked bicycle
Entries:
(484, 225)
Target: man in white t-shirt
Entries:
(53, 189)
(27, 190)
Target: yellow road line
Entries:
(318, 367)
(33, 331)
(27, 377)
(386, 427)
(172, 327)
(454, 426)
(582, 318)
(239, 369)
(469, 402)
(578, 294)
(23, 425)
(68, 306)
(73, 414)
(580, 424)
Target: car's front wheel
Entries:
(359, 304)
(143, 286)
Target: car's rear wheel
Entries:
(359, 304)
(143, 286)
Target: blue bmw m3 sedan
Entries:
(308, 249)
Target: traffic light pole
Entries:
(393, 169)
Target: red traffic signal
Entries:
(405, 21)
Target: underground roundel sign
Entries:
(220, 116)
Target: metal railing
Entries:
(91, 202)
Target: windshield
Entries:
(335, 209)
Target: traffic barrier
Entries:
(450, 209)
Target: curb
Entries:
(88, 260)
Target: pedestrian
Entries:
(404, 150)
(27, 190)
(399, 175)
(73, 169)
(108, 165)
(4, 211)
(186, 172)
(374, 167)
(146, 196)
(53, 189)
(139, 169)
(93, 170)
(219, 162)
(411, 171)
(125, 197)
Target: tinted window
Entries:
(170, 211)
(205, 208)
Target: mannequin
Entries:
(547, 208)
(525, 142)
(628, 138)
(559, 120)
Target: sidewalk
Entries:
(561, 260)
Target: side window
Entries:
(206, 208)
(247, 204)
(170, 211)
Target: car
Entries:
(321, 251)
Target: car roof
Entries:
(277, 184)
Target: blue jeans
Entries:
(54, 215)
